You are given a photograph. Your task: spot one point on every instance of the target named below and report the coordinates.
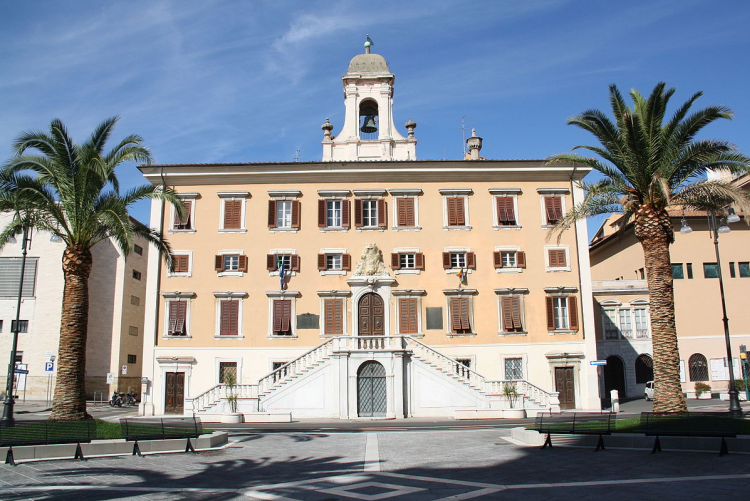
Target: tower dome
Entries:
(368, 63)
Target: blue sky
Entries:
(252, 81)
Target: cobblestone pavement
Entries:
(400, 465)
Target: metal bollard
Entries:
(615, 396)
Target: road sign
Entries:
(49, 366)
(598, 362)
(21, 371)
(110, 378)
(124, 369)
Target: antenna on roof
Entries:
(296, 156)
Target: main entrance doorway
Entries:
(565, 386)
(371, 393)
(371, 315)
(174, 402)
(614, 376)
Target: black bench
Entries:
(691, 424)
(135, 429)
(580, 424)
(45, 432)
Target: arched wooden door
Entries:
(371, 391)
(371, 315)
(614, 376)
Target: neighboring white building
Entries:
(117, 289)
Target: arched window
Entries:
(644, 369)
(698, 367)
(368, 120)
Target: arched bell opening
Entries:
(368, 120)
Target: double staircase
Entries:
(253, 398)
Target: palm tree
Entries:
(71, 191)
(650, 166)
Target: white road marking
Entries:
(372, 454)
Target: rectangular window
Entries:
(228, 372)
(456, 211)
(135, 300)
(185, 221)
(460, 315)
(506, 215)
(511, 314)
(369, 213)
(133, 330)
(626, 323)
(333, 213)
(459, 260)
(10, 276)
(642, 329)
(553, 209)
(407, 312)
(334, 262)
(732, 272)
(290, 261)
(744, 269)
(513, 368)
(562, 313)
(232, 214)
(181, 263)
(557, 258)
(177, 318)
(1, 326)
(710, 270)
(689, 267)
(405, 211)
(283, 214)
(609, 321)
(334, 316)
(138, 249)
(136, 274)
(132, 359)
(282, 317)
(407, 261)
(509, 259)
(229, 312)
(23, 326)
(677, 271)
(231, 262)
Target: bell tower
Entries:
(368, 132)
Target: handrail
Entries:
(523, 387)
(297, 365)
(448, 364)
(221, 390)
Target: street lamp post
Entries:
(8, 419)
(734, 401)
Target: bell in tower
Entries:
(368, 112)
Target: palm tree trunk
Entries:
(70, 391)
(655, 232)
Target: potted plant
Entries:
(233, 416)
(511, 394)
(702, 391)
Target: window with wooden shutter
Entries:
(573, 312)
(177, 318)
(334, 316)
(358, 213)
(345, 210)
(294, 265)
(282, 317)
(497, 259)
(229, 318)
(521, 259)
(295, 213)
(181, 263)
(272, 213)
(219, 263)
(396, 261)
(550, 313)
(243, 264)
(460, 315)
(322, 213)
(408, 321)
(455, 206)
(511, 312)
(446, 260)
(382, 214)
(184, 222)
(553, 209)
(321, 261)
(471, 261)
(419, 260)
(346, 262)
(271, 262)
(506, 215)
(405, 211)
(557, 258)
(232, 214)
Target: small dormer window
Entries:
(368, 120)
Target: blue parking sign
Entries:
(49, 366)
